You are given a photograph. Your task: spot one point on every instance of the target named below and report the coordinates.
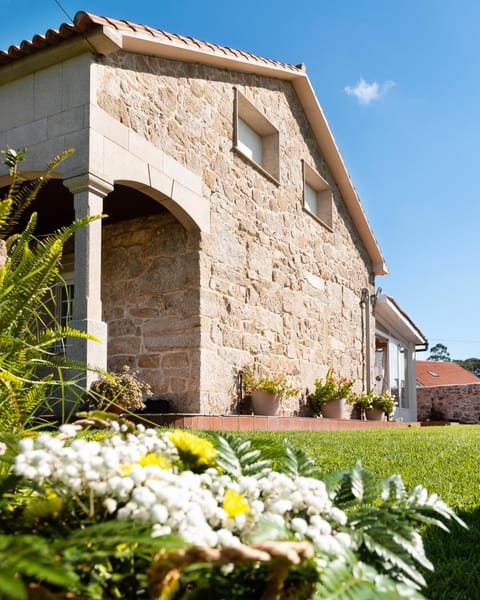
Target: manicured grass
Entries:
(445, 460)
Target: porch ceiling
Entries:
(54, 205)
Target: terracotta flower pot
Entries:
(335, 409)
(266, 404)
(374, 414)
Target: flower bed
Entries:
(174, 515)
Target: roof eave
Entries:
(97, 41)
(389, 311)
(329, 149)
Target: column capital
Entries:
(88, 182)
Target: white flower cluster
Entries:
(134, 476)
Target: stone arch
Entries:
(120, 155)
(182, 207)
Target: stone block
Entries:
(149, 361)
(48, 91)
(175, 360)
(76, 81)
(128, 345)
(182, 176)
(27, 135)
(160, 181)
(65, 122)
(177, 384)
(17, 103)
(119, 164)
(181, 339)
(106, 126)
(121, 328)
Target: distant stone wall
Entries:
(276, 286)
(456, 402)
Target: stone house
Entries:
(234, 234)
(447, 391)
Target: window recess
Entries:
(317, 196)
(255, 138)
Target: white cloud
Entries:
(368, 92)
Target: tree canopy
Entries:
(439, 353)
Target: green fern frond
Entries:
(30, 557)
(384, 527)
(22, 192)
(28, 330)
(295, 463)
(352, 487)
(237, 456)
(359, 581)
(99, 538)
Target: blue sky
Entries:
(399, 84)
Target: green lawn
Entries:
(445, 460)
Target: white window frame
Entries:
(255, 138)
(317, 196)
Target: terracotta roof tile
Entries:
(85, 22)
(432, 373)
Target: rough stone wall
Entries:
(455, 402)
(150, 296)
(277, 287)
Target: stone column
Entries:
(88, 192)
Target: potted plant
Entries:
(118, 392)
(331, 395)
(375, 406)
(267, 393)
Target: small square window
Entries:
(255, 138)
(317, 196)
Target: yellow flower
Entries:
(124, 548)
(194, 451)
(234, 504)
(148, 460)
(43, 506)
(152, 459)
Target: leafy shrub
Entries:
(122, 390)
(332, 388)
(31, 373)
(277, 386)
(383, 401)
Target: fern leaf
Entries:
(295, 463)
(10, 586)
(353, 487)
(358, 581)
(108, 535)
(33, 557)
(237, 457)
(22, 192)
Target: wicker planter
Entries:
(335, 409)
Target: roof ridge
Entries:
(84, 21)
